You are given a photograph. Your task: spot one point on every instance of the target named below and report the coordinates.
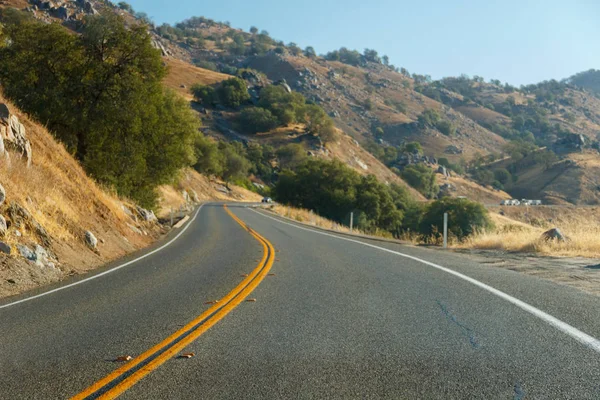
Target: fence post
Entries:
(445, 230)
(351, 221)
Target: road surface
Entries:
(333, 317)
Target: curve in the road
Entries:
(582, 337)
(125, 377)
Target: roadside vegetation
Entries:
(101, 94)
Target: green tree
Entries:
(257, 119)
(291, 156)
(446, 127)
(464, 217)
(253, 30)
(101, 94)
(503, 176)
(204, 94)
(233, 92)
(126, 6)
(310, 52)
(422, 178)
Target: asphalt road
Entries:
(339, 319)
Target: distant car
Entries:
(267, 200)
(512, 202)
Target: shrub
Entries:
(464, 217)
(422, 178)
(206, 65)
(257, 119)
(446, 127)
(233, 92)
(204, 94)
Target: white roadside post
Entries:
(445, 230)
(351, 221)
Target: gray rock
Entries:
(554, 234)
(442, 170)
(2, 194)
(186, 196)
(90, 240)
(41, 256)
(3, 226)
(195, 197)
(147, 215)
(27, 253)
(5, 248)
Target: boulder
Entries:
(554, 234)
(90, 240)
(62, 12)
(186, 196)
(146, 215)
(283, 83)
(41, 256)
(5, 248)
(3, 226)
(442, 170)
(27, 253)
(2, 195)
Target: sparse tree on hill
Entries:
(310, 52)
(253, 30)
(386, 60)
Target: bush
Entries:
(291, 156)
(464, 218)
(446, 127)
(422, 178)
(211, 66)
(233, 92)
(429, 117)
(257, 119)
(204, 94)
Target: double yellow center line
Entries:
(123, 378)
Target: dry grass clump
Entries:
(583, 238)
(308, 217)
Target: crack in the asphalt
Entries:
(468, 332)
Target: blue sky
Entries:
(520, 42)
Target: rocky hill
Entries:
(464, 120)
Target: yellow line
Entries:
(232, 300)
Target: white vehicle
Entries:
(525, 202)
(536, 202)
(505, 202)
(267, 200)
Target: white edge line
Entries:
(575, 333)
(105, 272)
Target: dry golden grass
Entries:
(308, 217)
(182, 73)
(55, 189)
(510, 235)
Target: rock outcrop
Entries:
(13, 136)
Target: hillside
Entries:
(465, 120)
(51, 204)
